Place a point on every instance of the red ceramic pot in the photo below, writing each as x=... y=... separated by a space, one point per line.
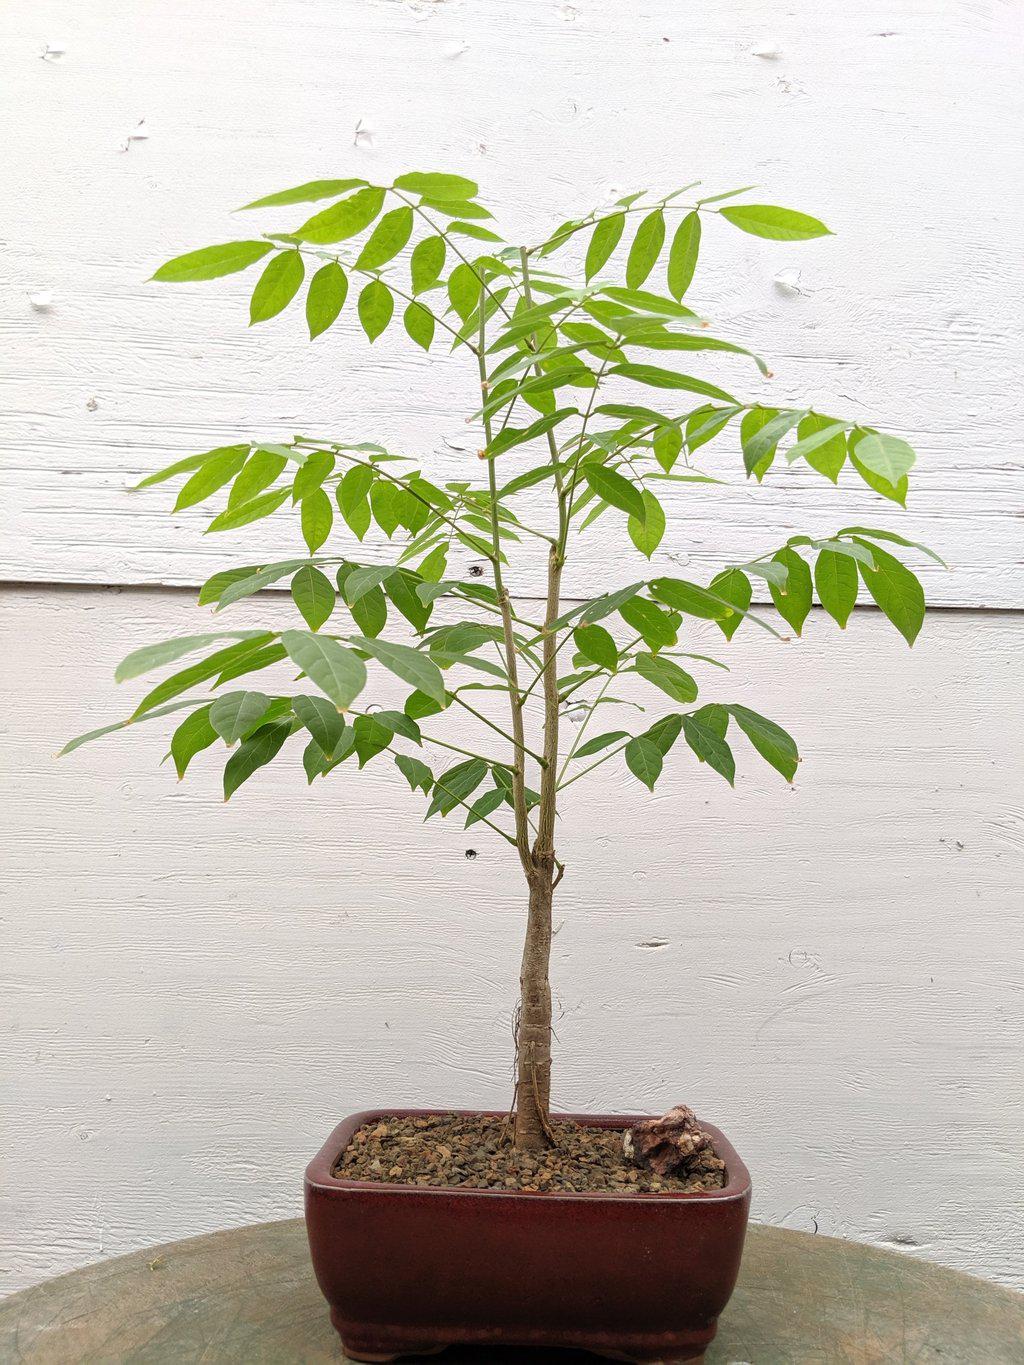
x=409 y=1269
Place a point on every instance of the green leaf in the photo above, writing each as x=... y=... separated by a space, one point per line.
x=643 y=301
x=894 y=492
x=211 y=667
x=409 y=665
x=253 y=662
x=427 y=263
x=455 y=785
x=416 y=773
x=705 y=424
x=657 y=378
x=835 y=577
x=873 y=534
x=260 y=470
x=769 y=739
x=356 y=581
x=255 y=581
x=682 y=256
x=338 y=672
x=418 y=707
x=183 y=466
x=734 y=587
x=674 y=681
x=90 y=735
x=254 y=753
x=616 y=490
x=464 y=290
x=760 y=433
x=435 y=185
x=370 y=613
x=887 y=456
x=646 y=248
x=644 y=760
x=419 y=324
x=664 y=733
x=322 y=719
x=193 y=735
x=896 y=592
x=657 y=627
x=401 y=589
x=343 y=219
x=210 y=262
x=218 y=469
x=253 y=510
x=221 y=581
x=793 y=599
x=387 y=239
x=606 y=604
x=709 y=747
x=485 y=805
x=325 y=299
x=313 y=594
x=599 y=742
x=355 y=486
x=398 y=723
x=687 y=597
x=311 y=474
x=305 y=194
x=646 y=535
x=317 y=517
x=596 y=644
x=143 y=660
x=780 y=225
x=376 y=307
x=371 y=738
x=668 y=443
x=277 y=286
x=673 y=341
x=822 y=443
x=384 y=506
x=603 y=243
x=236 y=713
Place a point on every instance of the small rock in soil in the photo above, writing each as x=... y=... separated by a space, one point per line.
x=671 y=1145
x=476 y=1152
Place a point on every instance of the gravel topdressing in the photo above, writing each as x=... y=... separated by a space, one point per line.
x=476 y=1152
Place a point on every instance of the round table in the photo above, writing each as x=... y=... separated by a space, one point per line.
x=248 y=1296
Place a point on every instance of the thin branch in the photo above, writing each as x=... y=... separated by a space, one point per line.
x=610 y=754
x=522 y=839
x=376 y=275
x=498 y=730
x=420 y=212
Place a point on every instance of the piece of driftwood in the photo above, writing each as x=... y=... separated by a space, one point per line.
x=675 y=1144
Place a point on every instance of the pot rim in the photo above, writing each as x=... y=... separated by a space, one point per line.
x=319 y=1175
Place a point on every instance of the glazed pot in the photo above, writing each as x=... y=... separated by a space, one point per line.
x=411 y=1269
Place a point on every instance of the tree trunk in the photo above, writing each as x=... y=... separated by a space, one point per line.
x=533 y=1081
x=533 y=1078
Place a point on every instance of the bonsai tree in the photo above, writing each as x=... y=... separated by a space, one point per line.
x=571 y=406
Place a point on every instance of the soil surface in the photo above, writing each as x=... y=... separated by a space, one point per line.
x=476 y=1152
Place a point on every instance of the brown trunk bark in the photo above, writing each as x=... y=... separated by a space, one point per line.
x=533 y=1078
x=533 y=1081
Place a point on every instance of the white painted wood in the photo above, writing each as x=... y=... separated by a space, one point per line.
x=192 y=993
x=129 y=130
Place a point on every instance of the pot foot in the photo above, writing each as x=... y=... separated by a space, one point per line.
x=378 y=1358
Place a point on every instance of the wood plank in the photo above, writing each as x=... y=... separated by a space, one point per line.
x=193 y=993
x=907 y=317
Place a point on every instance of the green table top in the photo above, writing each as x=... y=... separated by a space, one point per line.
x=248 y=1296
